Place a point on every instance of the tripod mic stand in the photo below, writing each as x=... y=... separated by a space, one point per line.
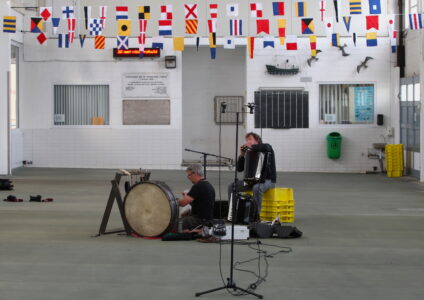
x=230 y=281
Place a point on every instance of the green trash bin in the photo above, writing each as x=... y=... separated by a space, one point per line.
x=334 y=145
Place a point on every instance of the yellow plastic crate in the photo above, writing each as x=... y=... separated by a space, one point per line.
x=394 y=173
x=276 y=209
x=278 y=194
x=283 y=218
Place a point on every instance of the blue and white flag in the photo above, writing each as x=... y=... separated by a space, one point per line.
x=229 y=42
x=415 y=21
x=232 y=10
x=122 y=42
x=95 y=27
x=55 y=23
x=269 y=41
x=63 y=41
x=375 y=7
x=157 y=42
x=68 y=12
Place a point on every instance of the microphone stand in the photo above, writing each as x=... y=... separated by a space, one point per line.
x=230 y=281
x=204 y=158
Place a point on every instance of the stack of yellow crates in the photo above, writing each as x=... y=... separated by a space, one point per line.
x=394 y=160
x=278 y=202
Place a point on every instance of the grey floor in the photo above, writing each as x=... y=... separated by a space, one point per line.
x=363 y=239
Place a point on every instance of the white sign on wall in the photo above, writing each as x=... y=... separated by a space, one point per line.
x=145 y=85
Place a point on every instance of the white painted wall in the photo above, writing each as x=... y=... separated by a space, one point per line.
x=203 y=79
x=305 y=149
x=17 y=147
x=4 y=68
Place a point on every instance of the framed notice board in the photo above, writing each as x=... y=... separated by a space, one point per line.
x=146 y=112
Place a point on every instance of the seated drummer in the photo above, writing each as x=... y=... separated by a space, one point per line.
x=268 y=174
x=201 y=197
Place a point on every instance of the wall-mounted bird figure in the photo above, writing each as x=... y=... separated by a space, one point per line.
x=341 y=48
x=363 y=64
x=313 y=58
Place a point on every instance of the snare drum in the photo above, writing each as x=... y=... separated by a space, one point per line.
x=151 y=209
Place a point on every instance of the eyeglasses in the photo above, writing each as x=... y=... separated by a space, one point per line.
x=188 y=175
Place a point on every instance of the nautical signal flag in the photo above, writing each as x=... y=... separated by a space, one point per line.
x=37 y=25
x=121 y=12
x=95 y=27
x=415 y=21
x=256 y=10
x=375 y=7
x=179 y=43
x=157 y=42
x=99 y=42
x=71 y=29
x=291 y=42
x=371 y=39
x=46 y=13
x=165 y=27
x=87 y=15
x=268 y=41
x=41 y=38
x=393 y=36
x=212 y=44
x=103 y=15
x=236 y=27
x=213 y=11
x=67 y=12
x=282 y=30
x=166 y=12
x=372 y=22
x=251 y=46
x=278 y=8
x=335 y=40
x=144 y=12
x=82 y=39
x=300 y=9
x=329 y=26
x=191 y=26
x=9 y=24
x=122 y=42
x=232 y=10
x=143 y=25
x=229 y=42
x=391 y=22
x=322 y=5
x=212 y=25
x=336 y=9
x=190 y=11
x=308 y=26
x=262 y=25
x=55 y=24
x=355 y=7
x=313 y=44
x=346 y=21
x=63 y=41
x=124 y=27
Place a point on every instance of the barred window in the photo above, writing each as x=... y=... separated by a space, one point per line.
x=81 y=105
x=346 y=103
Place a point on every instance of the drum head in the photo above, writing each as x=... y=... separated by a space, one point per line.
x=150 y=209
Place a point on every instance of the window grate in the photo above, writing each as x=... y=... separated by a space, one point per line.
x=81 y=105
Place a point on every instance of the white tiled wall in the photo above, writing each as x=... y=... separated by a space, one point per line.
x=103 y=148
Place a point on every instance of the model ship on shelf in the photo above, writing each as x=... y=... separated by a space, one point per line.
x=287 y=70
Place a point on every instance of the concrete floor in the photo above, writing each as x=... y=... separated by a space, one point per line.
x=363 y=239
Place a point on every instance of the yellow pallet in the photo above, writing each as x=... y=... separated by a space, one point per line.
x=274 y=209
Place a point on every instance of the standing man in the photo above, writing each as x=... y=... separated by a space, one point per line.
x=201 y=197
x=268 y=174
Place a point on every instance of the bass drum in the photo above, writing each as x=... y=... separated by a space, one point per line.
x=151 y=209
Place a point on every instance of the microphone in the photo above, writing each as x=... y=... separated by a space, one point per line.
x=223 y=107
x=251 y=107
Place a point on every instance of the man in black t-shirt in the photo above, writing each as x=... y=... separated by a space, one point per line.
x=201 y=197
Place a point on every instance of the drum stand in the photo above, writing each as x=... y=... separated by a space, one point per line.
x=115 y=195
x=230 y=281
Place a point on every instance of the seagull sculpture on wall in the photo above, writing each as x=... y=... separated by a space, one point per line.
x=363 y=64
x=313 y=58
x=341 y=48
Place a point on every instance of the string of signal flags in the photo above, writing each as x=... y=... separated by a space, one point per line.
x=95 y=26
